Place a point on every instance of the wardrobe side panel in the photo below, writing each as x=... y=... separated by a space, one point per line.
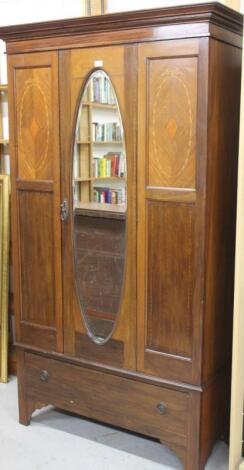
x=224 y=100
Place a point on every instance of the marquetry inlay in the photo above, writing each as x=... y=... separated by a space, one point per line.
x=34 y=132
x=34 y=122
x=171 y=116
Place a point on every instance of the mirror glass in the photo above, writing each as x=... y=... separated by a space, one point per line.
x=99 y=206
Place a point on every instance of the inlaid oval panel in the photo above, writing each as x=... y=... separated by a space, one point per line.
x=99 y=206
x=34 y=127
x=172 y=126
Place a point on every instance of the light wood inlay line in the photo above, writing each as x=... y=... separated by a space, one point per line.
x=174 y=356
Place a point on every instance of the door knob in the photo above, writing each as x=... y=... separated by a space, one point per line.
x=64 y=210
x=161 y=408
x=44 y=375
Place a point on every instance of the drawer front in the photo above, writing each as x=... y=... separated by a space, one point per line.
x=144 y=408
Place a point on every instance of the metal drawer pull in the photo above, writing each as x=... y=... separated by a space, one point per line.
x=44 y=375
x=161 y=408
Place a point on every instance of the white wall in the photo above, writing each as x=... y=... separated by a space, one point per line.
x=117 y=5
x=123 y=5
x=29 y=11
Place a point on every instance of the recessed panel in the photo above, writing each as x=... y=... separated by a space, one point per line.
x=171 y=122
x=170 y=277
x=34 y=122
x=37 y=256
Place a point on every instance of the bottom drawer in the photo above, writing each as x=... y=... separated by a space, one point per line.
x=141 y=407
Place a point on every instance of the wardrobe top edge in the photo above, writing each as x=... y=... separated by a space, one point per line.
x=212 y=12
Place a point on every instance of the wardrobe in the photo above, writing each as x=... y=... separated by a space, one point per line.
x=124 y=149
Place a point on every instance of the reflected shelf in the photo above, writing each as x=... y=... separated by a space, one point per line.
x=97 y=142
x=99 y=105
x=97 y=178
x=99 y=209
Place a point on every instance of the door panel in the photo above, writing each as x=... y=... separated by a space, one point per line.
x=168 y=307
x=170 y=260
x=75 y=68
x=34 y=137
x=36 y=248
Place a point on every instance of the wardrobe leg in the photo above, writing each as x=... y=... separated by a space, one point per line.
x=25 y=410
x=24 y=415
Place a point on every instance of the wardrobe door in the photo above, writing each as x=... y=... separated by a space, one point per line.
x=172 y=83
x=35 y=172
x=98 y=125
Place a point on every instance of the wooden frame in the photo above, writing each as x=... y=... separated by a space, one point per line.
x=4 y=274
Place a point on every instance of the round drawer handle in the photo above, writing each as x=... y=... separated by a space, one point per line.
x=161 y=408
x=44 y=375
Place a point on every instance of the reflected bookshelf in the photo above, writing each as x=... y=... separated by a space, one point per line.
x=99 y=173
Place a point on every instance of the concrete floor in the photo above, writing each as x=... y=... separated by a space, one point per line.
x=59 y=441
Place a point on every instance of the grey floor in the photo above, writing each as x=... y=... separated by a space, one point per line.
x=59 y=441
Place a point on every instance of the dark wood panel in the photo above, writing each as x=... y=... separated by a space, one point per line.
x=143 y=34
x=111 y=353
x=171 y=194
x=35 y=185
x=109 y=398
x=168 y=366
x=112 y=59
x=225 y=66
x=38 y=335
x=37 y=264
x=170 y=234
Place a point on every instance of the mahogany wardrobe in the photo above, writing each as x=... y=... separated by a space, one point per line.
x=124 y=149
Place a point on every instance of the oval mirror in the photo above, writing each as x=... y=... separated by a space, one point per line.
x=99 y=206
